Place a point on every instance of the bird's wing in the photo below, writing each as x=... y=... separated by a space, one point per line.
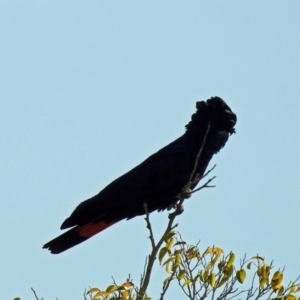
x=155 y=181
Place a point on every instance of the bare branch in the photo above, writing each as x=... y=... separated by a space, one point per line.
x=36 y=297
x=152 y=256
x=165 y=288
x=199 y=154
x=184 y=194
x=149 y=225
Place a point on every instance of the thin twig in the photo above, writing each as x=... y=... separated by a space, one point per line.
x=205 y=185
x=149 y=225
x=199 y=154
x=36 y=297
x=185 y=193
x=152 y=256
x=165 y=288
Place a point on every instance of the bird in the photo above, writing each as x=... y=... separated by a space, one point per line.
x=156 y=181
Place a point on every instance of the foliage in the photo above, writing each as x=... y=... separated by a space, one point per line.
x=211 y=274
x=216 y=275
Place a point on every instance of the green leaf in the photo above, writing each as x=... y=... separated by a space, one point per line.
x=213 y=250
x=166 y=281
x=223 y=280
x=293 y=288
x=163 y=251
x=280 y=291
x=181 y=274
x=221 y=265
x=146 y=297
x=100 y=294
x=17 y=298
x=168 y=260
x=196 y=278
x=178 y=251
x=249 y=265
x=241 y=275
x=111 y=288
x=169 y=235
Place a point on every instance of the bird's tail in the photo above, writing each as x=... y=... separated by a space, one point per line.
x=75 y=236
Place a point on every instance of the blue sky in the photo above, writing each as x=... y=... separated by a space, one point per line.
x=89 y=89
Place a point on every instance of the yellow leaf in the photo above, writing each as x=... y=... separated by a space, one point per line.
x=241 y=275
x=112 y=288
x=223 y=280
x=276 y=280
x=262 y=283
x=205 y=275
x=259 y=258
x=174 y=267
x=263 y=272
x=178 y=251
x=187 y=282
x=276 y=275
x=211 y=264
x=125 y=294
x=293 y=288
x=168 y=260
x=169 y=235
x=146 y=297
x=228 y=271
x=230 y=260
x=92 y=290
x=212 y=280
x=213 y=250
x=177 y=260
x=280 y=291
x=166 y=281
x=163 y=251
x=181 y=274
x=200 y=274
x=196 y=278
x=169 y=243
x=289 y=297
x=128 y=284
x=100 y=294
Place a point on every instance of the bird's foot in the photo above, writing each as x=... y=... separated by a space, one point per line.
x=178 y=210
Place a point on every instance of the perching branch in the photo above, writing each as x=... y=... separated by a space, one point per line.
x=184 y=194
x=155 y=248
